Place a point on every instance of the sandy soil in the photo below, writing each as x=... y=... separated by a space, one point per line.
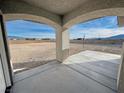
x=75 y=48
x=30 y=55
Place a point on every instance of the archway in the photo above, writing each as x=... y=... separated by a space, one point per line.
x=78 y=16
x=31 y=44
x=99 y=31
x=83 y=59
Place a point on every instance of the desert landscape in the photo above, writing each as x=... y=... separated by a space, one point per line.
x=27 y=54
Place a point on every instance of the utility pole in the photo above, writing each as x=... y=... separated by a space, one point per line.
x=83 y=40
x=99 y=37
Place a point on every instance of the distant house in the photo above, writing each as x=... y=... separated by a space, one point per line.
x=30 y=38
x=46 y=39
x=79 y=39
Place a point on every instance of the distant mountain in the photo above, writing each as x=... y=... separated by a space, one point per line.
x=27 y=38
x=121 y=36
x=15 y=37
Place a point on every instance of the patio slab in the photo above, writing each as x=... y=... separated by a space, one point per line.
x=80 y=73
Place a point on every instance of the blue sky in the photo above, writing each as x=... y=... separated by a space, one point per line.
x=102 y=27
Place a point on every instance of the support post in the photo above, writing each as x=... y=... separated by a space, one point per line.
x=62 y=45
x=120 y=80
x=120 y=21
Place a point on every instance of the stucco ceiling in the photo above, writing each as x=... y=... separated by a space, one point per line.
x=72 y=11
x=57 y=6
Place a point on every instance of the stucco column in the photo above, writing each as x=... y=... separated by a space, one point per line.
x=120 y=21
x=62 y=45
x=120 y=80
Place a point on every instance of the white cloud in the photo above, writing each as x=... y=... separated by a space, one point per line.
x=97 y=32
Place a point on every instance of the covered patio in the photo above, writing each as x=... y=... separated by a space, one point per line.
x=85 y=72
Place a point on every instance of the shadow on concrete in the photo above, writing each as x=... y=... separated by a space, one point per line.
x=19 y=67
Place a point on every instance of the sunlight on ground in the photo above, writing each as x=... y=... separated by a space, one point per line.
x=18 y=70
x=91 y=56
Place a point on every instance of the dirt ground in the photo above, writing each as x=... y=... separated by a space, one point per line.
x=30 y=55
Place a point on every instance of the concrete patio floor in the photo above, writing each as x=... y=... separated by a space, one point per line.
x=85 y=72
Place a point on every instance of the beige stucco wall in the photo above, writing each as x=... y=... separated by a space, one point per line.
x=120 y=21
x=87 y=11
x=91 y=10
x=22 y=10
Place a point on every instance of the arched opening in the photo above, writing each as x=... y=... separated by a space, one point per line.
x=79 y=16
x=103 y=32
x=31 y=44
x=95 y=49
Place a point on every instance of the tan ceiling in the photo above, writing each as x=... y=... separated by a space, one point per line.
x=57 y=6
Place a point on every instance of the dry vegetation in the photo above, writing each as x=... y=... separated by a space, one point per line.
x=31 y=53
